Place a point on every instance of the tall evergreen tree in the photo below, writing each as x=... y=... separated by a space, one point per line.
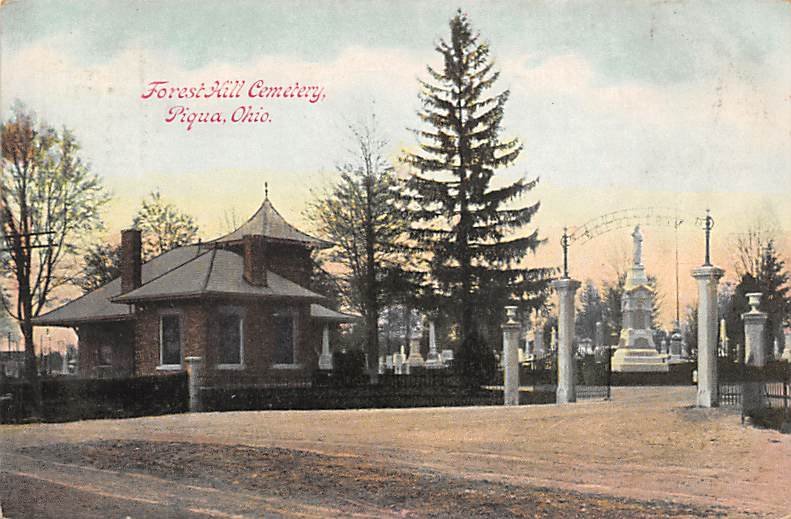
x=771 y=279
x=465 y=230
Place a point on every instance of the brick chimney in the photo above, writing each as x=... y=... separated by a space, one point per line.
x=131 y=263
x=254 y=260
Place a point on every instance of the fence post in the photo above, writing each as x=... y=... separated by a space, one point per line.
x=194 y=382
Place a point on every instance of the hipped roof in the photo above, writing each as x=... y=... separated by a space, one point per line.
x=182 y=273
x=198 y=271
x=267 y=222
x=216 y=272
x=327 y=314
x=97 y=306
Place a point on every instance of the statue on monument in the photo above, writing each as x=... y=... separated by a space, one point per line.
x=637 y=238
x=636 y=349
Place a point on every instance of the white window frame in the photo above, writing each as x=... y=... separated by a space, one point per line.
x=294 y=315
x=240 y=313
x=180 y=317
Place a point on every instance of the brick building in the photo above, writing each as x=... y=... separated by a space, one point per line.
x=241 y=302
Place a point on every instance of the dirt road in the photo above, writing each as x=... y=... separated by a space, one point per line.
x=647 y=453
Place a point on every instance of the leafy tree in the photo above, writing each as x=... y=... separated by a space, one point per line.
x=163 y=226
x=101 y=264
x=463 y=230
x=48 y=200
x=356 y=214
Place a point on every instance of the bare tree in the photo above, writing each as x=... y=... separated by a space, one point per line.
x=49 y=199
x=750 y=247
x=356 y=214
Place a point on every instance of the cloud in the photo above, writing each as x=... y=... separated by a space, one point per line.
x=581 y=125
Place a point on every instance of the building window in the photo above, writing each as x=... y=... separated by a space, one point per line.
x=231 y=341
x=170 y=340
x=284 y=339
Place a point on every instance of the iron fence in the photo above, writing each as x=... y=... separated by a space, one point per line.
x=731 y=394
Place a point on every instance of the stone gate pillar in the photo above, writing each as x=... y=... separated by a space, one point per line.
x=194 y=382
x=754 y=340
x=566 y=288
x=511 y=329
x=708 y=277
x=755 y=351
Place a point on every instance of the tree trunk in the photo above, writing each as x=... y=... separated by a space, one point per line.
x=371 y=296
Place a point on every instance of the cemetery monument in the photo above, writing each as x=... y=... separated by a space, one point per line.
x=636 y=350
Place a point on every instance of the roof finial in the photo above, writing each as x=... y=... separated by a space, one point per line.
x=266 y=190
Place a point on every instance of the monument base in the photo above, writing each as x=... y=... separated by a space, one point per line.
x=433 y=361
x=325 y=361
x=638 y=360
x=415 y=360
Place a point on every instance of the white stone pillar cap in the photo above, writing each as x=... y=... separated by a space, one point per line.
x=566 y=284
x=708 y=272
x=193 y=359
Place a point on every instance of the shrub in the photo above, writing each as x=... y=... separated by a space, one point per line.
x=348 y=367
x=475 y=362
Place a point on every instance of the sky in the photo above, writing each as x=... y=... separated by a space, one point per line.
x=677 y=105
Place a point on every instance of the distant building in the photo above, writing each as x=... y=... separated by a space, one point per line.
x=241 y=302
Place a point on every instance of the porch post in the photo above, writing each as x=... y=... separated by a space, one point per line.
x=566 y=391
x=325 y=359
